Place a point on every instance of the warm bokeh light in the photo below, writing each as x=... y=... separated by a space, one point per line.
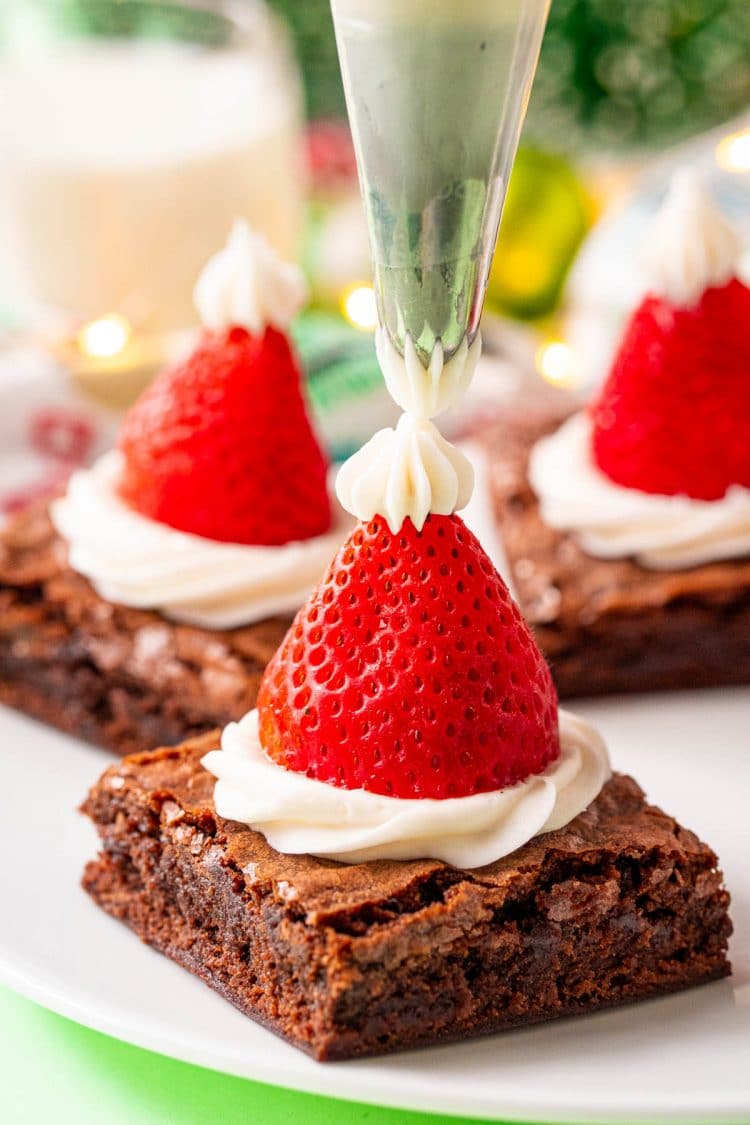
x=558 y=363
x=360 y=308
x=104 y=338
x=733 y=152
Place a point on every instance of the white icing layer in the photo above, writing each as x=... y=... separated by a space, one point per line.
x=246 y=284
x=410 y=471
x=299 y=815
x=690 y=247
x=661 y=532
x=426 y=391
x=135 y=561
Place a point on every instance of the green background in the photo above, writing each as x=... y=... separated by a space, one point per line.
x=54 y=1070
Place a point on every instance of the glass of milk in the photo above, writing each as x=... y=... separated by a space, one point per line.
x=128 y=147
x=436 y=92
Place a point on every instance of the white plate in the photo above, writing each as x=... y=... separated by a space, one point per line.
x=685 y=1058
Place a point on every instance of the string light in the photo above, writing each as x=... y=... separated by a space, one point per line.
x=104 y=338
x=558 y=363
x=733 y=152
x=359 y=307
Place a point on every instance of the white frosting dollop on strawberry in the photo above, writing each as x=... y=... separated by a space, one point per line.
x=690 y=246
x=247 y=285
x=299 y=815
x=425 y=392
x=134 y=561
x=612 y=522
x=411 y=471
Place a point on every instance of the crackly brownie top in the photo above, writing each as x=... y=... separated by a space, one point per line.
x=169 y=791
x=555 y=578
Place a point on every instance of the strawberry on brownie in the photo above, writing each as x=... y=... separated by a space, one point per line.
x=627 y=524
x=407 y=841
x=222 y=446
x=410 y=672
x=409 y=693
x=142 y=606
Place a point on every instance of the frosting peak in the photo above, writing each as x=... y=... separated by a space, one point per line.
x=426 y=391
x=246 y=284
x=691 y=246
x=412 y=471
x=407 y=472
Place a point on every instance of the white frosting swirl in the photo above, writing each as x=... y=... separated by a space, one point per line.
x=247 y=285
x=426 y=391
x=135 y=561
x=410 y=471
x=300 y=815
x=690 y=246
x=612 y=522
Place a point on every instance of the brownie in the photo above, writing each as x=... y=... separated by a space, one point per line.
x=351 y=960
x=126 y=679
x=612 y=625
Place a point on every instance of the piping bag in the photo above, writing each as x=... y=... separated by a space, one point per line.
x=436 y=93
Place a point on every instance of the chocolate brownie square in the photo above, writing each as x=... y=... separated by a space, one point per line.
x=346 y=961
x=123 y=678
x=612 y=625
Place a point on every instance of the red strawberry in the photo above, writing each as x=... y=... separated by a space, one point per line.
x=221 y=445
x=674 y=414
x=410 y=672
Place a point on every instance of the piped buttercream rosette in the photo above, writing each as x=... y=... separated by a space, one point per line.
x=412 y=471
